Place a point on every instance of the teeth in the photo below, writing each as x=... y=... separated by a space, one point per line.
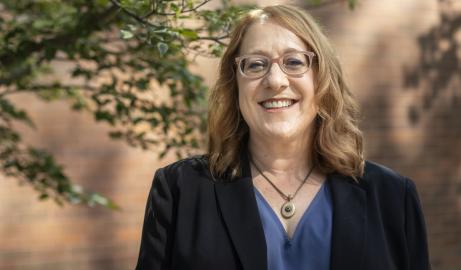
x=277 y=104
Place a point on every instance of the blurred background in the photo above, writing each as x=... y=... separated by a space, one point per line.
x=402 y=61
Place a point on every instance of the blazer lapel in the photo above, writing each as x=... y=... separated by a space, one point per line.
x=240 y=213
x=349 y=223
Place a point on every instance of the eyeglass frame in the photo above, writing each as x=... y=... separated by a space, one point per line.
x=277 y=60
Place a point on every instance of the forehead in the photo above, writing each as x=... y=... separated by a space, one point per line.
x=269 y=38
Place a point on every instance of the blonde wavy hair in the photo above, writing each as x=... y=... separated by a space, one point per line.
x=337 y=143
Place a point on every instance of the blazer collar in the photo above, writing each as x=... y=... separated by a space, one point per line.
x=240 y=212
x=349 y=223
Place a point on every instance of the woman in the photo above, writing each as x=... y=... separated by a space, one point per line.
x=284 y=184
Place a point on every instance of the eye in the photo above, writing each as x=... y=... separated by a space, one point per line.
x=254 y=65
x=295 y=61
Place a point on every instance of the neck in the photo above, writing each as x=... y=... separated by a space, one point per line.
x=281 y=157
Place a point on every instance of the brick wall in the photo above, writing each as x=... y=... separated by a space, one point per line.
x=402 y=59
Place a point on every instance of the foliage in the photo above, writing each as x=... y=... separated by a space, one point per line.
x=129 y=68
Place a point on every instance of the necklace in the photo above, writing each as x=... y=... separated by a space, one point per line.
x=288 y=208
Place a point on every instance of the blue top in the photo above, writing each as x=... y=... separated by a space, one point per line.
x=309 y=248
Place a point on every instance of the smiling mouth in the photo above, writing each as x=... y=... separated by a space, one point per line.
x=277 y=103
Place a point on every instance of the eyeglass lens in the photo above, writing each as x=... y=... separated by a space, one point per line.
x=293 y=64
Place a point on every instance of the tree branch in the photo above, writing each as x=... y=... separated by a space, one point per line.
x=131 y=14
x=63 y=39
x=215 y=39
x=182 y=11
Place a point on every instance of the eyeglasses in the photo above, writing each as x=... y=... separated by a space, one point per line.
x=255 y=66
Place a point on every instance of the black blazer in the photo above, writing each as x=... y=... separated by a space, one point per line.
x=192 y=222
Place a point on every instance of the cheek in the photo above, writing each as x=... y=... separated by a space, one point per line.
x=246 y=92
x=247 y=106
x=244 y=103
x=306 y=87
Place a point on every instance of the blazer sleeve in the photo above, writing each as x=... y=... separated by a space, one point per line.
x=157 y=228
x=415 y=230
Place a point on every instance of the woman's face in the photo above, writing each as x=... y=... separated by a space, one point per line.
x=294 y=110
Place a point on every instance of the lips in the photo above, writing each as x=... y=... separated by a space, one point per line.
x=277 y=103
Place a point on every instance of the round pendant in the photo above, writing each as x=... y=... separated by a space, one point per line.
x=288 y=209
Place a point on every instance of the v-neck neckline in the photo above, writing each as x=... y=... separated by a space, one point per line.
x=301 y=220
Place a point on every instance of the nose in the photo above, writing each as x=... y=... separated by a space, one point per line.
x=276 y=79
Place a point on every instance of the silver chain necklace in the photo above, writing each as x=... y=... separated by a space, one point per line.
x=288 y=208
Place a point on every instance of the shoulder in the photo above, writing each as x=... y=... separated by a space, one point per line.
x=384 y=182
x=375 y=173
x=185 y=171
x=196 y=164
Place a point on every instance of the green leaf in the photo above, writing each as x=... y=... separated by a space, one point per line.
x=126 y=34
x=41 y=23
x=104 y=116
x=142 y=84
x=188 y=33
x=102 y=3
x=116 y=134
x=352 y=4
x=217 y=50
x=162 y=48
x=7 y=109
x=98 y=199
x=132 y=27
